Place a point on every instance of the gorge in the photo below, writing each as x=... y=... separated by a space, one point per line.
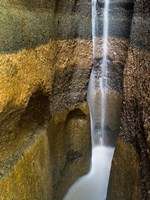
x=46 y=59
x=94 y=185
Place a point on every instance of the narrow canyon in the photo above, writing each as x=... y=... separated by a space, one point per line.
x=46 y=61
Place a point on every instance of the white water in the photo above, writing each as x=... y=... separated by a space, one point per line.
x=93 y=186
x=103 y=80
x=98 y=81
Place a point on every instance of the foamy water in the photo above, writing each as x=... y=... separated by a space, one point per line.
x=93 y=186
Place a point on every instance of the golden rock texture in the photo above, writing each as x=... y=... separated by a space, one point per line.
x=70 y=147
x=36 y=83
x=29 y=82
x=29 y=177
x=26 y=73
x=45 y=162
x=45 y=63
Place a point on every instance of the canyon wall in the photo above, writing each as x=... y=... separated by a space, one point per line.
x=42 y=74
x=130 y=175
x=45 y=64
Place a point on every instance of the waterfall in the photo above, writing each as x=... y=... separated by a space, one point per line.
x=97 y=90
x=103 y=79
x=94 y=185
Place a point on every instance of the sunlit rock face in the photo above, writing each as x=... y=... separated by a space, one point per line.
x=135 y=115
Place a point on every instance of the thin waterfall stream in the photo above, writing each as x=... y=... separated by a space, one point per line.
x=93 y=186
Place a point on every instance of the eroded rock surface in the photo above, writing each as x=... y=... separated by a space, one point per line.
x=125 y=181
x=135 y=115
x=27 y=175
x=45 y=63
x=70 y=147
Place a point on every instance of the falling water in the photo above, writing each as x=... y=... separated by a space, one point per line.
x=93 y=186
x=103 y=79
x=98 y=82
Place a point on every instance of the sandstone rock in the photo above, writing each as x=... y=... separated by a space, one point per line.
x=70 y=147
x=45 y=62
x=125 y=180
x=28 y=175
x=42 y=164
x=135 y=114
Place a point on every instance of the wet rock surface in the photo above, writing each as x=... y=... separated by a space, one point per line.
x=113 y=114
x=120 y=17
x=116 y=61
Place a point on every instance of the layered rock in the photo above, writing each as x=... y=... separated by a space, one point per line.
x=70 y=147
x=45 y=63
x=125 y=177
x=135 y=115
x=30 y=86
x=41 y=163
x=39 y=76
x=27 y=174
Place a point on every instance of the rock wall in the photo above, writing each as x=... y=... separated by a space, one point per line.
x=135 y=133
x=45 y=64
x=26 y=174
x=70 y=147
x=41 y=74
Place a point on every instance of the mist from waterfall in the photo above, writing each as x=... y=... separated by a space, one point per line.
x=93 y=186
